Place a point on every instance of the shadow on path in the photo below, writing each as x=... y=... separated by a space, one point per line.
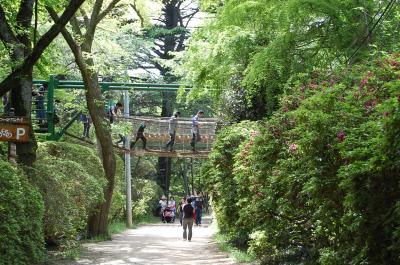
x=156 y=244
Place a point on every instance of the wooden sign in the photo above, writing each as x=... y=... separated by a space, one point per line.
x=13 y=120
x=14 y=129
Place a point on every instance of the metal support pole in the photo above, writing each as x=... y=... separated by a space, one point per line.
x=128 y=176
x=50 y=105
x=191 y=169
x=185 y=177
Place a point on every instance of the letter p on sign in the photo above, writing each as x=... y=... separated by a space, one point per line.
x=20 y=132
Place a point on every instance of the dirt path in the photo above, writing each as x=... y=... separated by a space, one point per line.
x=156 y=244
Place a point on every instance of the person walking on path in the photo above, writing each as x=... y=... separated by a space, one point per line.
x=195 y=129
x=140 y=135
x=172 y=125
x=199 y=208
x=181 y=204
x=86 y=120
x=162 y=204
x=187 y=220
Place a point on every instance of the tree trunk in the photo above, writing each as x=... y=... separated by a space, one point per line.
x=98 y=221
x=21 y=101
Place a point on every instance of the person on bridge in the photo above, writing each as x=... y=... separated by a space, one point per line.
x=172 y=125
x=195 y=129
x=140 y=135
x=187 y=219
x=113 y=113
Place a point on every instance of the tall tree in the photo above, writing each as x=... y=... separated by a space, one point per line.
x=16 y=38
x=169 y=33
x=81 y=46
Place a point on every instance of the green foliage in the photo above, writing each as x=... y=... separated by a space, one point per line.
x=145 y=195
x=21 y=214
x=160 y=32
x=71 y=180
x=145 y=191
x=317 y=182
x=253 y=48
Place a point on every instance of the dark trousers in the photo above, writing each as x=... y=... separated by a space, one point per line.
x=195 y=138
x=121 y=140
x=198 y=215
x=171 y=141
x=40 y=109
x=139 y=136
x=86 y=128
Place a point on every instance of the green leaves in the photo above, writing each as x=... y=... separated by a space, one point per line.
x=21 y=211
x=317 y=183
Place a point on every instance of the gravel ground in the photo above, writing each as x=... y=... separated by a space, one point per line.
x=156 y=244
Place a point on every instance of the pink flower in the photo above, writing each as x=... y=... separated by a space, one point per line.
x=341 y=136
x=293 y=148
x=254 y=133
x=365 y=80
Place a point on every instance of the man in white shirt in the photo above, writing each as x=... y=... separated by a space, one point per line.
x=195 y=129
x=172 y=125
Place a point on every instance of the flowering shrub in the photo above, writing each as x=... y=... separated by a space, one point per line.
x=320 y=183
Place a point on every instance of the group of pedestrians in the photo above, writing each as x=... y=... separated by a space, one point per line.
x=115 y=112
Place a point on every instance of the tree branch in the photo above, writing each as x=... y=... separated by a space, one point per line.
x=6 y=33
x=74 y=23
x=24 y=20
x=141 y=18
x=8 y=83
x=85 y=17
x=108 y=9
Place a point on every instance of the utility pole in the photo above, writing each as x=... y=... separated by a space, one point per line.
x=191 y=169
x=128 y=176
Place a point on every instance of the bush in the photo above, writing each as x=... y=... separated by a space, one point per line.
x=21 y=213
x=71 y=180
x=318 y=182
x=145 y=192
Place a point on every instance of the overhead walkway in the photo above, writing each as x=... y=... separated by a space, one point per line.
x=157 y=137
x=44 y=115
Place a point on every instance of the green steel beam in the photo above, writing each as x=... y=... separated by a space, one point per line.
x=54 y=84
x=58 y=135
x=105 y=86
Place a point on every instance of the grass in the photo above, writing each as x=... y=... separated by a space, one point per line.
x=239 y=255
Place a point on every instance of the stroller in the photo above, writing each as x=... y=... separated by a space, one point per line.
x=169 y=215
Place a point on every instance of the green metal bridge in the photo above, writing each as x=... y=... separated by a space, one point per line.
x=157 y=129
